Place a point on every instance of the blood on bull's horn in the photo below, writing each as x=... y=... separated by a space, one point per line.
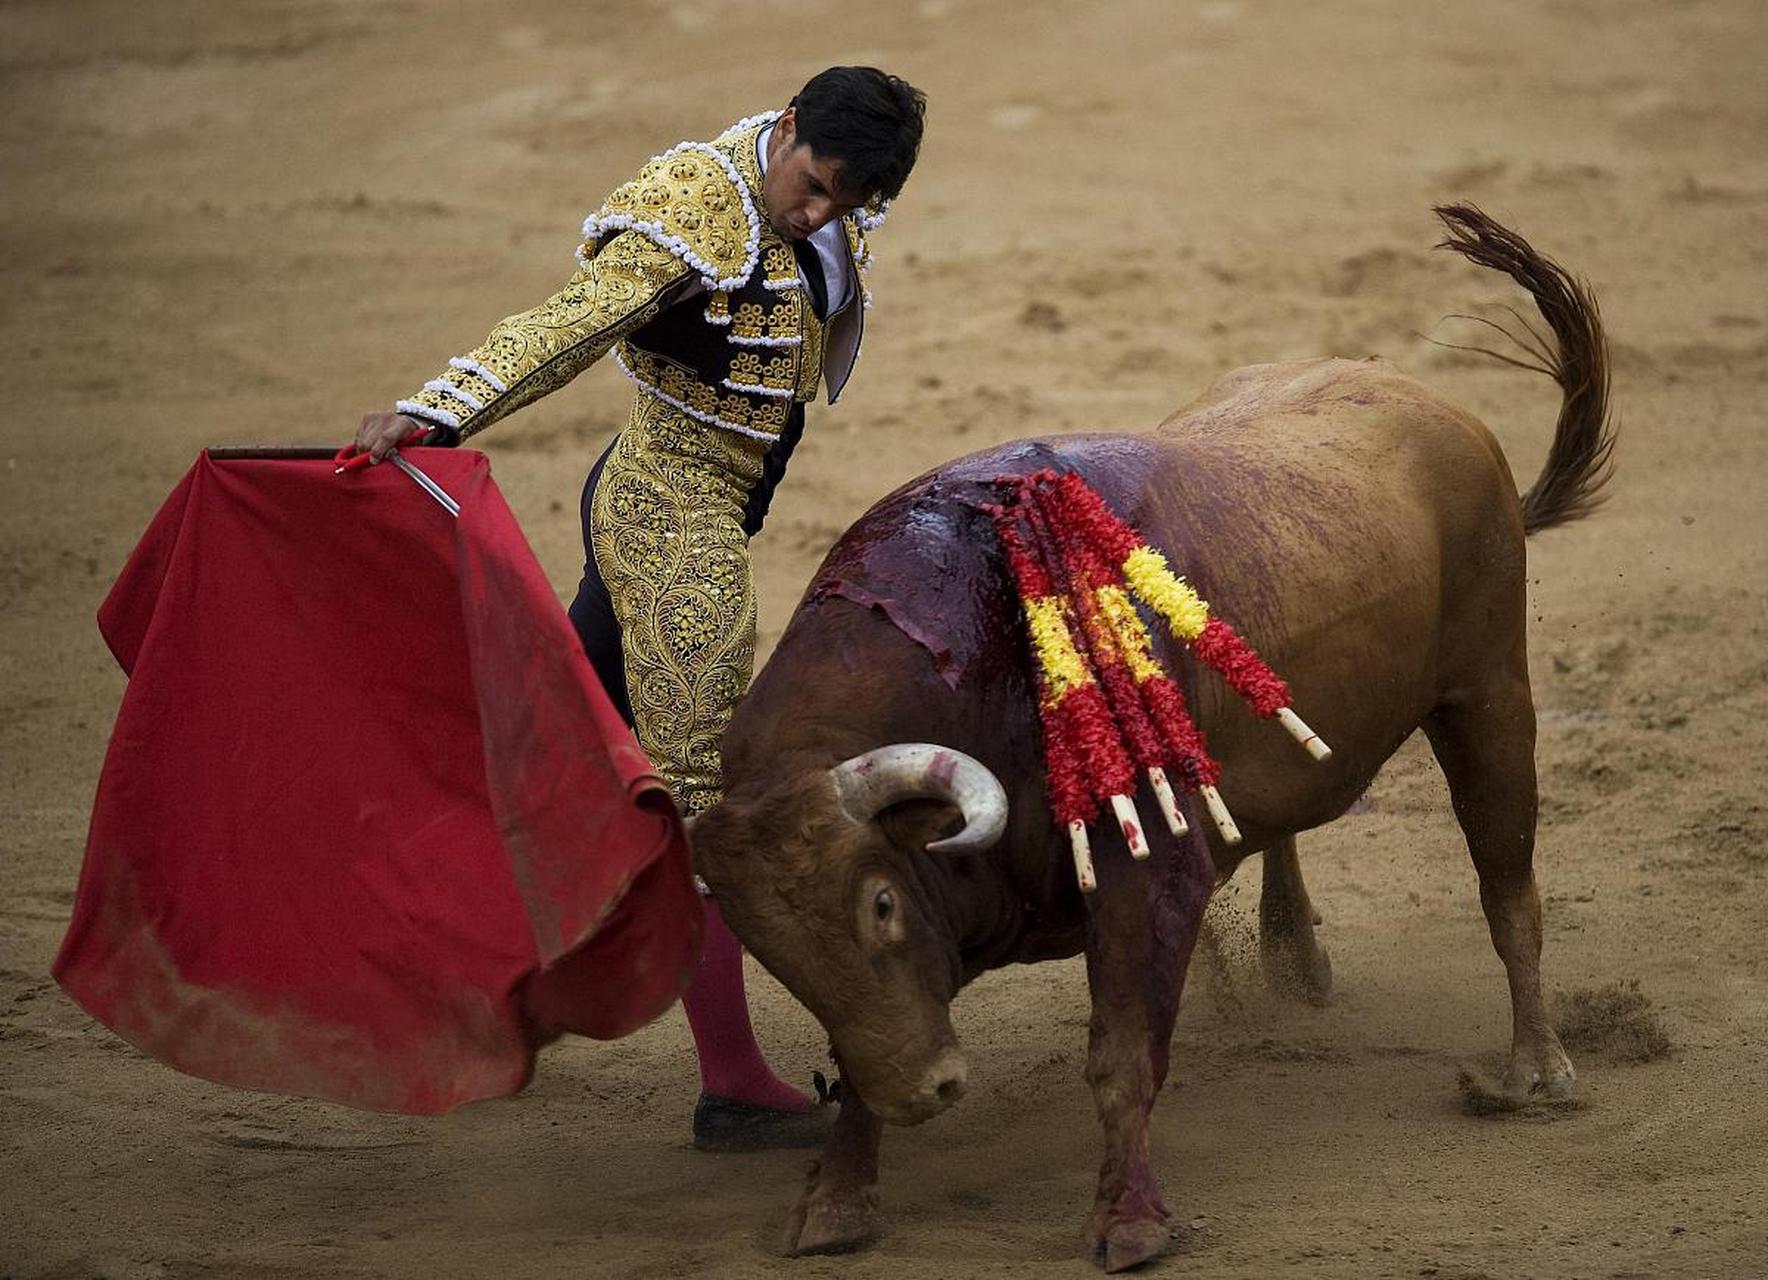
x=868 y=784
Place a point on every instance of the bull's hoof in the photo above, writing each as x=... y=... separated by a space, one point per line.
x=1544 y=1073
x=1535 y=1085
x=1119 y=1243
x=1296 y=966
x=832 y=1221
x=1130 y=1244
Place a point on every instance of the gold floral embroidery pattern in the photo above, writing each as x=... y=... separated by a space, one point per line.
x=780 y=264
x=856 y=245
x=773 y=372
x=739 y=144
x=747 y=415
x=810 y=356
x=538 y=351
x=687 y=200
x=777 y=322
x=666 y=528
x=695 y=218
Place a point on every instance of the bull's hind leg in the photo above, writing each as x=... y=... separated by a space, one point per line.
x=1485 y=743
x=1142 y=926
x=1295 y=963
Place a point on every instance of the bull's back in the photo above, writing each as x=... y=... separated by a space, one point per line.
x=1364 y=534
x=1361 y=532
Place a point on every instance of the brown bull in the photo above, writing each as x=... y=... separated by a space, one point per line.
x=1362 y=532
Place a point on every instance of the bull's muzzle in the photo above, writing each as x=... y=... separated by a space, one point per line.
x=941 y=1085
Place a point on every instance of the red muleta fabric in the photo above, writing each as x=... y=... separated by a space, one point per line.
x=368 y=829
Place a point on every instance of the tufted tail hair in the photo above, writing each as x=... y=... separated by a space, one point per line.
x=1580 y=461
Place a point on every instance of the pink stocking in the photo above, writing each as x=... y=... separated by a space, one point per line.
x=731 y=1062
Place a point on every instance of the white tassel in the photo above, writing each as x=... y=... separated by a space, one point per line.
x=779 y=393
x=479 y=371
x=737 y=339
x=441 y=417
x=449 y=389
x=750 y=122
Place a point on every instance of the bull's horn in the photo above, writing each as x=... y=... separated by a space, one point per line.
x=867 y=785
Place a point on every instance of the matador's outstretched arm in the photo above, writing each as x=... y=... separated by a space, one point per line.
x=627 y=283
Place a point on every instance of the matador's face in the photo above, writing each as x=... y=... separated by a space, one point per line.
x=802 y=190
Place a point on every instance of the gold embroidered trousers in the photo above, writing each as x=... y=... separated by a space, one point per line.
x=664 y=531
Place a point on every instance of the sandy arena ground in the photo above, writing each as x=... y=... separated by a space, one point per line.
x=235 y=223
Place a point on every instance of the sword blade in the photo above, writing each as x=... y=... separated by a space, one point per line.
x=428 y=485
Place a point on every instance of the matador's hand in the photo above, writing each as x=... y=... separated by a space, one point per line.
x=379 y=435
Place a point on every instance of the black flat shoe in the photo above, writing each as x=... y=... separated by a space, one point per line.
x=724 y=1124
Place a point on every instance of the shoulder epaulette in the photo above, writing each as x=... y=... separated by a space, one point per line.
x=692 y=202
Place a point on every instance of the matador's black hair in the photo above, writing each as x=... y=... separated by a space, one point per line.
x=866 y=121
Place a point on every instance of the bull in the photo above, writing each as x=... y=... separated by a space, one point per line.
x=885 y=836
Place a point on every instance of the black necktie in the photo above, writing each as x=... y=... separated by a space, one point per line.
x=810 y=262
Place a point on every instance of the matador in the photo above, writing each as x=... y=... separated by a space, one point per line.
x=728 y=280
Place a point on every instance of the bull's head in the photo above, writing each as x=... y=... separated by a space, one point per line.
x=831 y=880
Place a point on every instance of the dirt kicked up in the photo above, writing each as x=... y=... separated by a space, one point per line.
x=228 y=224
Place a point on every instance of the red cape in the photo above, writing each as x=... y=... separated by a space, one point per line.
x=368 y=829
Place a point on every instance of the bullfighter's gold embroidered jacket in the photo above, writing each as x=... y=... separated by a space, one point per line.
x=689 y=227
x=701 y=303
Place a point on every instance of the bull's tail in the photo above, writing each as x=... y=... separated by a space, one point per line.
x=1581 y=460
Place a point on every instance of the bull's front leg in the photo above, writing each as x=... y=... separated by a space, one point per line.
x=1142 y=926
x=838 y=1209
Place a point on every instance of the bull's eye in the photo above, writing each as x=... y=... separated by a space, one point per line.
x=876 y=916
